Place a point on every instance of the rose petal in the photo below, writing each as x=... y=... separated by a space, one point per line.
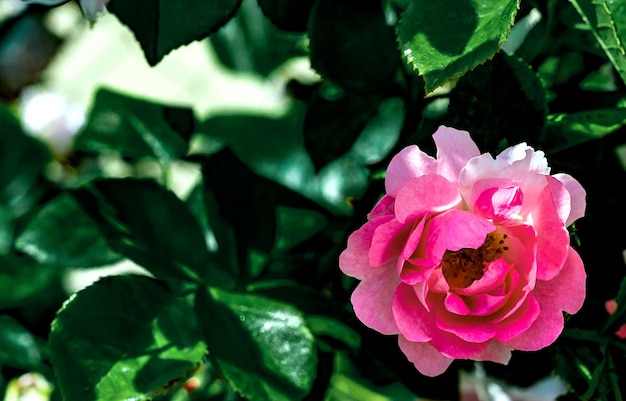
x=519 y=321
x=561 y=198
x=372 y=301
x=408 y=313
x=425 y=194
x=469 y=328
x=577 y=196
x=451 y=230
x=388 y=241
x=552 y=237
x=409 y=163
x=354 y=260
x=495 y=352
x=454 y=149
x=383 y=207
x=566 y=292
x=427 y=360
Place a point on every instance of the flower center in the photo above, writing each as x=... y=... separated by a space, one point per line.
x=461 y=268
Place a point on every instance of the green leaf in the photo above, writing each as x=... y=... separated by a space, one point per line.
x=250 y=43
x=352 y=45
x=332 y=126
x=22 y=279
x=607 y=20
x=136 y=128
x=18 y=347
x=124 y=338
x=161 y=26
x=22 y=161
x=153 y=227
x=444 y=39
x=262 y=346
x=288 y=15
x=62 y=234
x=245 y=201
x=567 y=130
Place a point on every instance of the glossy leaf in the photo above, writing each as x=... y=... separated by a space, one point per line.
x=161 y=26
x=124 y=338
x=274 y=357
x=62 y=234
x=18 y=347
x=352 y=45
x=444 y=39
x=156 y=229
x=607 y=20
x=567 y=130
x=135 y=128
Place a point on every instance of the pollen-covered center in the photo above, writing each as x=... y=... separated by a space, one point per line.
x=461 y=268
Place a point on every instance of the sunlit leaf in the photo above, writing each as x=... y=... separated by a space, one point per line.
x=569 y=129
x=444 y=39
x=607 y=20
x=161 y=26
x=124 y=338
x=263 y=347
x=62 y=234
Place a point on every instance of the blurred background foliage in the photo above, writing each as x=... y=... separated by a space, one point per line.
x=211 y=158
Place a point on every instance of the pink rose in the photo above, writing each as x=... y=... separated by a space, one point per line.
x=467 y=256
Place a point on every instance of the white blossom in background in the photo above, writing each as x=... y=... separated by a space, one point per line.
x=52 y=118
x=91 y=8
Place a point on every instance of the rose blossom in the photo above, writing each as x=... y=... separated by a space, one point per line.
x=467 y=256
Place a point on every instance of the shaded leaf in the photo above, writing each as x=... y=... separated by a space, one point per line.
x=161 y=26
x=123 y=338
x=607 y=20
x=18 y=347
x=444 y=39
x=332 y=126
x=62 y=234
x=513 y=110
x=289 y=15
x=246 y=202
x=135 y=128
x=274 y=357
x=367 y=61
x=153 y=227
x=22 y=279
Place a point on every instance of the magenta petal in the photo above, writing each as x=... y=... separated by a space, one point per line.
x=454 y=149
x=500 y=204
x=495 y=352
x=519 y=321
x=354 y=260
x=427 y=360
x=409 y=314
x=383 y=207
x=468 y=328
x=411 y=162
x=425 y=194
x=452 y=230
x=577 y=196
x=388 y=241
x=552 y=237
x=372 y=301
x=566 y=292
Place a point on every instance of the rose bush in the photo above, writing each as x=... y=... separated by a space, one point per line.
x=467 y=256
